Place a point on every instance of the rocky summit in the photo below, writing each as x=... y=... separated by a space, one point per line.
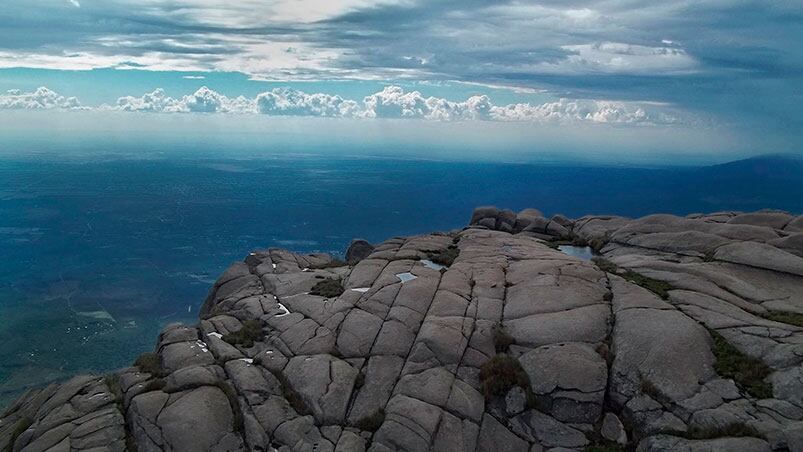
x=682 y=333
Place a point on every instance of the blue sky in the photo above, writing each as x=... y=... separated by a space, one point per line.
x=728 y=75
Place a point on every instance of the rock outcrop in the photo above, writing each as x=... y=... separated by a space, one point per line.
x=685 y=334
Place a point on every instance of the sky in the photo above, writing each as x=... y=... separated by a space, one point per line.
x=686 y=78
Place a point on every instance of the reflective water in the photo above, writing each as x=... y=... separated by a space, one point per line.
x=583 y=252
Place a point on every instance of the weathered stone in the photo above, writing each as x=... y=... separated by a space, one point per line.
x=196 y=420
x=613 y=430
x=325 y=383
x=665 y=442
x=539 y=427
x=515 y=401
x=395 y=363
x=358 y=250
x=495 y=436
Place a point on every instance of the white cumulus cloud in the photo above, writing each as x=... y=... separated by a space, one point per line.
x=391 y=102
x=41 y=99
x=594 y=111
x=290 y=102
x=204 y=100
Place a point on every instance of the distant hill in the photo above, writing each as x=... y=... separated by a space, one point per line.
x=777 y=167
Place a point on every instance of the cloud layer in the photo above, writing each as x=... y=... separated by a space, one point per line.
x=41 y=99
x=391 y=102
x=394 y=102
x=738 y=62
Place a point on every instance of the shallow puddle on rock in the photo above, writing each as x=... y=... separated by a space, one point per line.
x=429 y=264
x=406 y=276
x=583 y=252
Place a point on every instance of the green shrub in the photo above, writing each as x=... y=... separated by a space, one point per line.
x=149 y=362
x=328 y=288
x=502 y=340
x=445 y=257
x=749 y=373
x=371 y=422
x=247 y=335
x=501 y=373
x=792 y=318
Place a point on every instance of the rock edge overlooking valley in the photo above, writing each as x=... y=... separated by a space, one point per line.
x=683 y=333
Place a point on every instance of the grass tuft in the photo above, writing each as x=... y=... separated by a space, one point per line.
x=658 y=287
x=247 y=335
x=149 y=362
x=792 y=318
x=748 y=373
x=605 y=265
x=445 y=257
x=328 y=288
x=501 y=373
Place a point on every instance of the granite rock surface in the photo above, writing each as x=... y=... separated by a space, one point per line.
x=635 y=350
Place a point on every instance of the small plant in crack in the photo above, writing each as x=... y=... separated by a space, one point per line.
x=749 y=373
x=149 y=362
x=328 y=288
x=445 y=257
x=250 y=332
x=791 y=318
x=658 y=287
x=502 y=372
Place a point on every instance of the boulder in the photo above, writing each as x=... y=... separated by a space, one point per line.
x=524 y=218
x=358 y=250
x=613 y=430
x=775 y=220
